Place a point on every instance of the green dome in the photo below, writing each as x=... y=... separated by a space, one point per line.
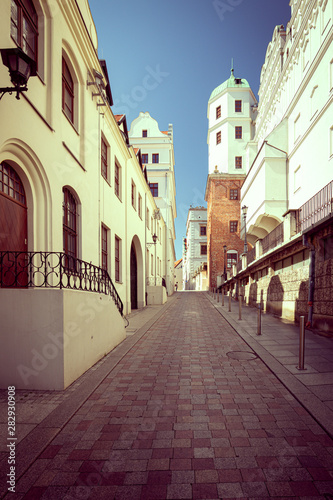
x=232 y=82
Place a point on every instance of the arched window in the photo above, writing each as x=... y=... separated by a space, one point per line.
x=24 y=26
x=10 y=183
x=70 y=224
x=67 y=92
x=231 y=258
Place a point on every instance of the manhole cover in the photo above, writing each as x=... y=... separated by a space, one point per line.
x=242 y=355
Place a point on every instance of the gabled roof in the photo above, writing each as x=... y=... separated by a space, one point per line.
x=177 y=262
x=121 y=120
x=108 y=86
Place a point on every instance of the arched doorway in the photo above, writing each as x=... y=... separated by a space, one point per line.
x=13 y=211
x=13 y=227
x=134 y=279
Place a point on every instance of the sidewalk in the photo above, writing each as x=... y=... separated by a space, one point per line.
x=278 y=347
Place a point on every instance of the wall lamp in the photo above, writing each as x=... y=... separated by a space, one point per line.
x=20 y=67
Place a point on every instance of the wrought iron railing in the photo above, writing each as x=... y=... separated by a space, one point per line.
x=316 y=209
x=54 y=270
x=273 y=239
x=251 y=255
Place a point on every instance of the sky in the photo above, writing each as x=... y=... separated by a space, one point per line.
x=187 y=47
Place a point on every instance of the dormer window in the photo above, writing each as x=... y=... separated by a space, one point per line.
x=145 y=133
x=238 y=81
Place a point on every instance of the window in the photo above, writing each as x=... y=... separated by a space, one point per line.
x=140 y=206
x=104 y=159
x=233 y=194
x=233 y=226
x=145 y=158
x=144 y=133
x=203 y=230
x=67 y=92
x=11 y=184
x=238 y=106
x=151 y=264
x=238 y=162
x=297 y=127
x=23 y=28
x=147 y=218
x=154 y=188
x=238 y=132
x=231 y=258
x=105 y=257
x=314 y=97
x=133 y=195
x=203 y=249
x=156 y=158
x=70 y=216
x=218 y=138
x=117 y=179
x=297 y=178
x=117 y=245
x=218 y=112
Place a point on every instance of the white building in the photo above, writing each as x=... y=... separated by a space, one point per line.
x=290 y=157
x=231 y=112
x=178 y=275
x=159 y=160
x=75 y=205
x=288 y=187
x=195 y=250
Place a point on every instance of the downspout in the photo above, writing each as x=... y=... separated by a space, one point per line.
x=145 y=256
x=312 y=275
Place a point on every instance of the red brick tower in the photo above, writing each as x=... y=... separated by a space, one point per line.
x=223 y=223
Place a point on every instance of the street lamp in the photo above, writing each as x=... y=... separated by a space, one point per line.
x=155 y=240
x=244 y=210
x=225 y=258
x=20 y=67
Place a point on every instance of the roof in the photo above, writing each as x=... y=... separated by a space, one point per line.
x=177 y=262
x=164 y=132
x=232 y=82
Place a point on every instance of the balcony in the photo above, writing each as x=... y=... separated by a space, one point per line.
x=316 y=209
x=264 y=192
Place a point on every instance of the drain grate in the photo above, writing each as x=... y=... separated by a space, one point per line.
x=242 y=355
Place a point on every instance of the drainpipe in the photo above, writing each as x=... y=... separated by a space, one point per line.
x=311 y=278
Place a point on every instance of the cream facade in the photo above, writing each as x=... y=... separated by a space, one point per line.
x=159 y=160
x=86 y=202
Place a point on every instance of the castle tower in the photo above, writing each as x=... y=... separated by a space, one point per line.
x=231 y=113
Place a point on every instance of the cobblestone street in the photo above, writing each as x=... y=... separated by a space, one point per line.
x=189 y=412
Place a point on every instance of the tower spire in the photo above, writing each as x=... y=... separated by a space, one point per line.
x=232 y=66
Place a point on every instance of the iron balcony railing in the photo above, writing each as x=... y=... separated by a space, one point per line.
x=316 y=209
x=251 y=255
x=54 y=270
x=273 y=239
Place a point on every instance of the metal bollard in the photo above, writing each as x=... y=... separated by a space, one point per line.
x=229 y=301
x=301 y=343
x=214 y=292
x=240 y=307
x=259 y=320
x=218 y=295
x=222 y=296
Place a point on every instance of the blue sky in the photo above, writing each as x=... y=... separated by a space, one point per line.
x=188 y=46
